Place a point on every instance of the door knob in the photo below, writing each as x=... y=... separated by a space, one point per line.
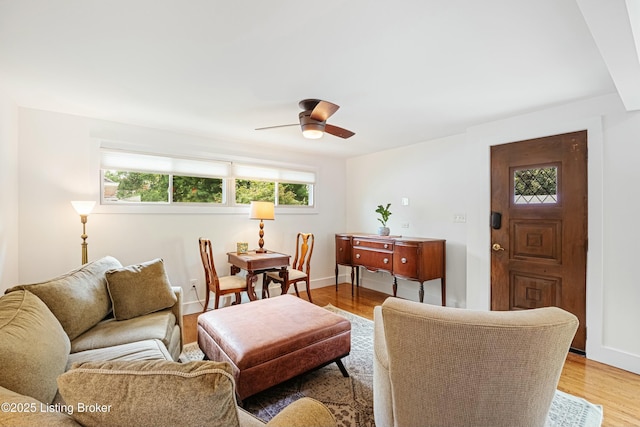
x=496 y=247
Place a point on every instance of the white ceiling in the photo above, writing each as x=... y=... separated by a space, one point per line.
x=402 y=72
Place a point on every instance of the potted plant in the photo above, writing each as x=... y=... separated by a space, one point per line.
x=384 y=217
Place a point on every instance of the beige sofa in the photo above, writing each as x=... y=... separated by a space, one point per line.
x=442 y=366
x=97 y=346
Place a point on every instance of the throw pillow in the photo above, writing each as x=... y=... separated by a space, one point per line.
x=151 y=393
x=139 y=289
x=79 y=298
x=33 y=346
x=25 y=411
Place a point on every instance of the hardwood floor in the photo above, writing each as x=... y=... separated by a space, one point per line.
x=618 y=391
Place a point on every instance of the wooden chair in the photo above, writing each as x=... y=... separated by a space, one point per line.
x=301 y=267
x=219 y=285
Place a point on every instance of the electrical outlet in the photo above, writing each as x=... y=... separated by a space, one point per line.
x=194 y=284
x=461 y=217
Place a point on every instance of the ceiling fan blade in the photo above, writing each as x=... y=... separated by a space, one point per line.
x=338 y=131
x=323 y=111
x=278 y=126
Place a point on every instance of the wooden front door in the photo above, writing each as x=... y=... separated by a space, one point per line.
x=539 y=226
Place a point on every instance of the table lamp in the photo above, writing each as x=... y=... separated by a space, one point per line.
x=84 y=208
x=262 y=211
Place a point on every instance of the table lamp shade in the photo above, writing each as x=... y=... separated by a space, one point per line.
x=262 y=210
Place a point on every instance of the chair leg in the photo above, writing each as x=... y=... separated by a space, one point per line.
x=238 y=298
x=308 y=290
x=265 y=285
x=206 y=301
x=295 y=286
x=216 y=302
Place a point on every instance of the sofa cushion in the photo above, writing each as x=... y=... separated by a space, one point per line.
x=79 y=298
x=34 y=348
x=110 y=332
x=140 y=350
x=139 y=289
x=24 y=411
x=153 y=393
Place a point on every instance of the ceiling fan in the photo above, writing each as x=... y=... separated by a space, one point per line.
x=313 y=120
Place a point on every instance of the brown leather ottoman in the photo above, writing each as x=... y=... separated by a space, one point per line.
x=272 y=340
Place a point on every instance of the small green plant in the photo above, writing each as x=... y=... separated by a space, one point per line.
x=384 y=214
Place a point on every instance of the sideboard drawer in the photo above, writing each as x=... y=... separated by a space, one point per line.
x=373 y=244
x=373 y=260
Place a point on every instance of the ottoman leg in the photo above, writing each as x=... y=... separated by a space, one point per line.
x=342 y=368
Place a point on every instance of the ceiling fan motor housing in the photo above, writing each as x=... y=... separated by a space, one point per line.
x=307 y=123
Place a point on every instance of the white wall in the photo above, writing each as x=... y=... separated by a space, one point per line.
x=452 y=175
x=58 y=163
x=9 y=194
x=433 y=178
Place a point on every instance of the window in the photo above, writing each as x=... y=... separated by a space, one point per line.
x=191 y=189
x=294 y=194
x=130 y=178
x=134 y=187
x=249 y=190
x=284 y=187
x=535 y=186
x=143 y=178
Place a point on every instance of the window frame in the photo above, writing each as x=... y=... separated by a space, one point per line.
x=229 y=205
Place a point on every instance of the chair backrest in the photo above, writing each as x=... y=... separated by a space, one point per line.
x=206 y=254
x=451 y=366
x=304 y=250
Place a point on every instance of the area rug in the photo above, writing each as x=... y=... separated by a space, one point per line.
x=351 y=399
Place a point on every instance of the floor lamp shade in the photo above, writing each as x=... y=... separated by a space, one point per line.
x=262 y=211
x=83 y=207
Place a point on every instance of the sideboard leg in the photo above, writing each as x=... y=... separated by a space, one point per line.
x=395 y=286
x=336 y=277
x=421 y=292
x=352 y=280
x=443 y=288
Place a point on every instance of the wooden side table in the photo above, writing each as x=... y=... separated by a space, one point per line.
x=257 y=263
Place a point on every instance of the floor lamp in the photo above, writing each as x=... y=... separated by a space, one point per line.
x=84 y=208
x=262 y=211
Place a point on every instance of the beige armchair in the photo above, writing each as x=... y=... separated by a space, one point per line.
x=442 y=366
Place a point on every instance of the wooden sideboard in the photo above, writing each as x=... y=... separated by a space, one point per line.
x=411 y=258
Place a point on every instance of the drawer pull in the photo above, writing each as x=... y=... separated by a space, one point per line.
x=386 y=246
x=358 y=256
x=386 y=260
x=357 y=242
x=341 y=249
x=403 y=260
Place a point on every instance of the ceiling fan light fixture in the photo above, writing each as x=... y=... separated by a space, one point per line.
x=311 y=129
x=312 y=133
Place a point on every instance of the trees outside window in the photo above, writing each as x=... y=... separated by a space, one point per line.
x=265 y=191
x=138 y=187
x=189 y=189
